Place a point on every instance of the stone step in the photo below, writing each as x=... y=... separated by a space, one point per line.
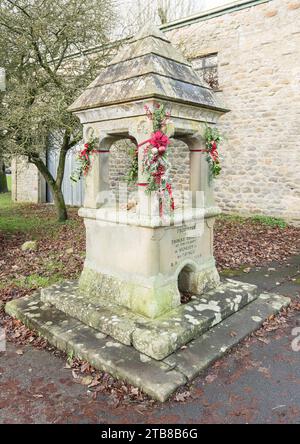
x=109 y=318
x=168 y=333
x=159 y=379
x=160 y=337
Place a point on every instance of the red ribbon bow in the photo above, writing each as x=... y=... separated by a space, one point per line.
x=157 y=139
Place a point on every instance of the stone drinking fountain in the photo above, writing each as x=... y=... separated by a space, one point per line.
x=125 y=315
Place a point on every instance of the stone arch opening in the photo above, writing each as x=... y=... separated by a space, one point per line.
x=120 y=158
x=179 y=156
x=185 y=278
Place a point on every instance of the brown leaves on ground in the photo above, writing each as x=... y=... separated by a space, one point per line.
x=101 y=382
x=60 y=256
x=245 y=242
x=277 y=322
x=182 y=396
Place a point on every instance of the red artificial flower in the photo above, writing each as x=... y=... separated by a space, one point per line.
x=214 y=152
x=158 y=139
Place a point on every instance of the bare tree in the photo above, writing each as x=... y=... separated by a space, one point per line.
x=37 y=38
x=159 y=11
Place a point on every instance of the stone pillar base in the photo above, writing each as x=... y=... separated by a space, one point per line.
x=144 y=268
x=150 y=301
x=144 y=300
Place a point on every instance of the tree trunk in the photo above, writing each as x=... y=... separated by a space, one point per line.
x=56 y=184
x=59 y=201
x=3 y=181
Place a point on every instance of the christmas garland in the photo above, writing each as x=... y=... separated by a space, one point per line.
x=155 y=163
x=84 y=160
x=212 y=139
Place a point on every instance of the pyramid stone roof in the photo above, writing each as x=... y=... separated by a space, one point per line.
x=148 y=66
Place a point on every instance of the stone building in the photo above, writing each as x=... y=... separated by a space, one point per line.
x=249 y=52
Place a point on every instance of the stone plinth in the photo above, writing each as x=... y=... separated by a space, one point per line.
x=155 y=338
x=143 y=268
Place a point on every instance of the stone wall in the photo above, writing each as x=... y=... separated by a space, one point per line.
x=258 y=53
x=259 y=78
x=179 y=156
x=27 y=183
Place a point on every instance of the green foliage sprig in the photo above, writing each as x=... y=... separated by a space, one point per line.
x=84 y=160
x=132 y=175
x=212 y=140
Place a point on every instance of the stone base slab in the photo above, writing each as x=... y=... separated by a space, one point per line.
x=159 y=337
x=159 y=379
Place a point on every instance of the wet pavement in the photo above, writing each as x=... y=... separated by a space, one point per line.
x=258 y=382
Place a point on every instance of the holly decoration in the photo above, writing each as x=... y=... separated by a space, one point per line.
x=212 y=139
x=84 y=160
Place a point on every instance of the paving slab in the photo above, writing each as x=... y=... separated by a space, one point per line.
x=159 y=379
x=217 y=341
x=273 y=275
x=156 y=338
x=156 y=378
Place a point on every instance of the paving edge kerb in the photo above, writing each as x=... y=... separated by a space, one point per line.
x=159 y=379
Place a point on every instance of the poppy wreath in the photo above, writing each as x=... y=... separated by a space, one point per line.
x=155 y=163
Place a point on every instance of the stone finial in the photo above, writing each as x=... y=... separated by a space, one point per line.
x=150 y=30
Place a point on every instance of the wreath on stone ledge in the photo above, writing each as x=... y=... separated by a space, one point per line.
x=156 y=165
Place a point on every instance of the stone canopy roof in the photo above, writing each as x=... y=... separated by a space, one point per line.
x=147 y=67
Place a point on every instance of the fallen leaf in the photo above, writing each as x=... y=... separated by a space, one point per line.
x=94 y=383
x=86 y=380
x=210 y=378
x=134 y=391
x=264 y=340
x=264 y=371
x=181 y=397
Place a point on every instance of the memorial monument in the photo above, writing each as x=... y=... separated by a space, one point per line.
x=125 y=314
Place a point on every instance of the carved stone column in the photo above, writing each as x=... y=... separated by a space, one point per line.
x=97 y=179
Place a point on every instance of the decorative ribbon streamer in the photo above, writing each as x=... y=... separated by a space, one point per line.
x=213 y=152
